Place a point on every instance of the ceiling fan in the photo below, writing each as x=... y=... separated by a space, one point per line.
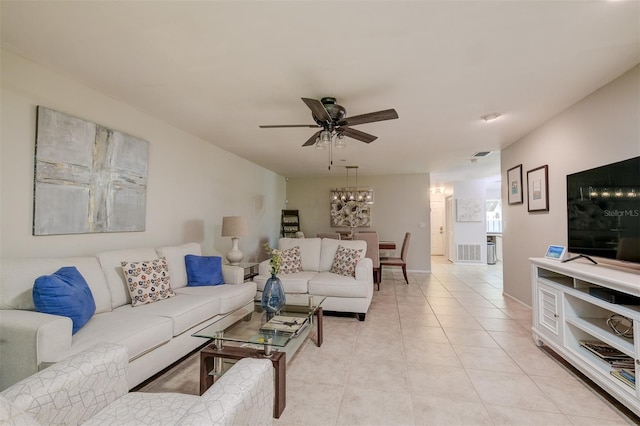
x=332 y=119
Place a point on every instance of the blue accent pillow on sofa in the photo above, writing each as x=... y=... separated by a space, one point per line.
x=65 y=293
x=203 y=270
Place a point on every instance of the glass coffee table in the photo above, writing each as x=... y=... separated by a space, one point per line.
x=262 y=335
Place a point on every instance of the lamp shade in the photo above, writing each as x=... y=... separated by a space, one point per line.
x=234 y=226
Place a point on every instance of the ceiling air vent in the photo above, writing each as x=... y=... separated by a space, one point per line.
x=481 y=154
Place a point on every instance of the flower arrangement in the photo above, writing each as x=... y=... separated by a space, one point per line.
x=276 y=258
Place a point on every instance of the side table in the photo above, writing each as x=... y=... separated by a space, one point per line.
x=250 y=270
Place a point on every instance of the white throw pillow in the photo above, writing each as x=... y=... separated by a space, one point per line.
x=148 y=281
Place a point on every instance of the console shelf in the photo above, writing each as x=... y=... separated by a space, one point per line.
x=290 y=223
x=565 y=314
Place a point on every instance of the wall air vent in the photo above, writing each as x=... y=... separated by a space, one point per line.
x=470 y=253
x=481 y=154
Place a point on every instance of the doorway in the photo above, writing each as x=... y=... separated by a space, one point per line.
x=437 y=227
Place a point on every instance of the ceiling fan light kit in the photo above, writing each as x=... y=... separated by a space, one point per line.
x=325 y=137
x=332 y=119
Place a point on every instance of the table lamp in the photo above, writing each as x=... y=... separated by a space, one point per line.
x=234 y=227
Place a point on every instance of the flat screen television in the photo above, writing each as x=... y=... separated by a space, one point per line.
x=603 y=211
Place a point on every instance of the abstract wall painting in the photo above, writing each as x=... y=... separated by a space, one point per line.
x=469 y=210
x=88 y=178
x=351 y=214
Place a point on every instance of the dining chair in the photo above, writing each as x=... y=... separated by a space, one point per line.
x=373 y=252
x=398 y=261
x=334 y=235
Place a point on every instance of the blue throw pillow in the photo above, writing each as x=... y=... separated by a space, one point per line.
x=203 y=270
x=65 y=293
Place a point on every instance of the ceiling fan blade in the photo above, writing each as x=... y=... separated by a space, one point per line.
x=312 y=139
x=387 y=114
x=357 y=134
x=275 y=126
x=317 y=109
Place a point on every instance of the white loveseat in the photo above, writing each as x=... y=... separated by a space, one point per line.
x=155 y=334
x=91 y=388
x=343 y=293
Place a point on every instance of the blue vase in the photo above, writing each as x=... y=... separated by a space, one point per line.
x=273 y=298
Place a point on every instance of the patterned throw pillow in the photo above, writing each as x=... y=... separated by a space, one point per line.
x=291 y=261
x=344 y=262
x=147 y=281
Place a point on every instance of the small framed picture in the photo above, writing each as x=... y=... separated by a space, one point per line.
x=538 y=189
x=514 y=182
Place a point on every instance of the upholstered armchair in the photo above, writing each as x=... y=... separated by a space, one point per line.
x=91 y=388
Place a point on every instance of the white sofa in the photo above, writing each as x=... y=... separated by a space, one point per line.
x=343 y=293
x=91 y=388
x=155 y=334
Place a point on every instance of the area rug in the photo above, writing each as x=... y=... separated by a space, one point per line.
x=184 y=377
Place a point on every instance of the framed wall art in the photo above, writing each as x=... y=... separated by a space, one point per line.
x=351 y=214
x=469 y=210
x=88 y=178
x=514 y=182
x=538 y=189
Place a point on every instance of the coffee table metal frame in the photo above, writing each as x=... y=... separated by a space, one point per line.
x=212 y=356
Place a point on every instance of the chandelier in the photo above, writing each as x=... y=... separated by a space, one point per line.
x=352 y=194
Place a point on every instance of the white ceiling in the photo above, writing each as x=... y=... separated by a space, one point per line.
x=219 y=69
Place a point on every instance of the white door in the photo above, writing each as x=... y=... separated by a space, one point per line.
x=437 y=228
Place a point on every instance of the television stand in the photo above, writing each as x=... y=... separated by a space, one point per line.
x=569 y=320
x=578 y=257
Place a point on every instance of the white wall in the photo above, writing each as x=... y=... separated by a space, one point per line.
x=191 y=183
x=401 y=205
x=600 y=129
x=472 y=232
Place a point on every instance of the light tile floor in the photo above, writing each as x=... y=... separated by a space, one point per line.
x=447 y=349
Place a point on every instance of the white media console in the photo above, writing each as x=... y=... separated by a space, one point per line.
x=564 y=314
